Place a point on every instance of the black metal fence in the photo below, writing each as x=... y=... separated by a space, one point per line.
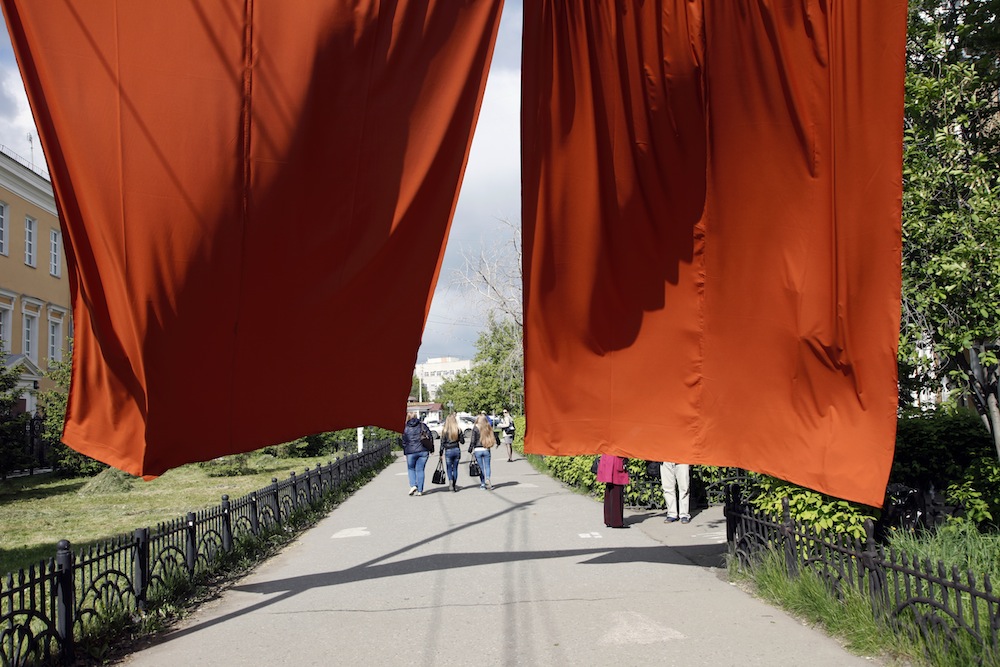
x=933 y=604
x=45 y=608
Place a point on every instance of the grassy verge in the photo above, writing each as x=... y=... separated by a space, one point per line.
x=36 y=512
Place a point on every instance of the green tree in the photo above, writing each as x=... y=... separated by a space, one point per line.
x=14 y=453
x=496 y=379
x=419 y=389
x=951 y=213
x=53 y=405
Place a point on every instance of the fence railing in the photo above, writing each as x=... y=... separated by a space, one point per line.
x=934 y=604
x=45 y=608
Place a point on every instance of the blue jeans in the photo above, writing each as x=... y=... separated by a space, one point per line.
x=451 y=457
x=483 y=459
x=415 y=469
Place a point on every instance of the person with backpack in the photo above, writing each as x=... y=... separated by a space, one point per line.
x=480 y=444
x=415 y=436
x=507 y=427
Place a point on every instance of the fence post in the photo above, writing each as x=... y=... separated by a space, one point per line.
x=227 y=525
x=729 y=511
x=276 y=505
x=66 y=600
x=877 y=588
x=191 y=544
x=140 y=567
x=295 y=491
x=254 y=516
x=309 y=487
x=788 y=536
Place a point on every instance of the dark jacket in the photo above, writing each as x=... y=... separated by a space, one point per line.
x=474 y=440
x=411 y=437
x=449 y=444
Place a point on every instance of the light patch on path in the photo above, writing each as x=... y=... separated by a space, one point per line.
x=718 y=537
x=633 y=628
x=587 y=535
x=351 y=532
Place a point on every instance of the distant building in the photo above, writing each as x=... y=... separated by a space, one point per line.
x=436 y=370
x=35 y=314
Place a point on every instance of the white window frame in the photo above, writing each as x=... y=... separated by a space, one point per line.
x=6 y=326
x=56 y=318
x=55 y=341
x=30 y=240
x=55 y=253
x=29 y=335
x=4 y=229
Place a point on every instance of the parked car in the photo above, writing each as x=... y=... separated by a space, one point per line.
x=435 y=426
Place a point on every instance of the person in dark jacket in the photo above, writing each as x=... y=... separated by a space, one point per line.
x=416 y=454
x=452 y=439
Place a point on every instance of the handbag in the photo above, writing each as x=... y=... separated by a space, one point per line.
x=653 y=469
x=439 y=477
x=474 y=470
x=593 y=466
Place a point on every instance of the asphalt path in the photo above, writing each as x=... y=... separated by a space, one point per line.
x=525 y=574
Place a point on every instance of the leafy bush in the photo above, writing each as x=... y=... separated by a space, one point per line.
x=934 y=449
x=810 y=507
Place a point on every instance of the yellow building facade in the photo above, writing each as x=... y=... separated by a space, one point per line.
x=35 y=316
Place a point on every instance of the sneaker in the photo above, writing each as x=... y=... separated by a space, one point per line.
x=413 y=490
x=686 y=519
x=670 y=519
x=482 y=486
x=489 y=485
x=454 y=487
x=418 y=493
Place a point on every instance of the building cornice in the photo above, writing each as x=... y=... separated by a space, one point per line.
x=26 y=184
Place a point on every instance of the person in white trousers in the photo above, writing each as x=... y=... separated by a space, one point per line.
x=676 y=478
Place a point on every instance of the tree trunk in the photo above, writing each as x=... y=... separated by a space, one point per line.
x=994 y=416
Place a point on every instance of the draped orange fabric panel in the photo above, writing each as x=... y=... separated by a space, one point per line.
x=712 y=196
x=255 y=198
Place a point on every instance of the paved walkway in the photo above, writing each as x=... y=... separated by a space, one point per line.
x=526 y=574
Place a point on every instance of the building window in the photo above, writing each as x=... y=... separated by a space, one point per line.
x=29 y=241
x=5 y=327
x=3 y=228
x=29 y=344
x=55 y=341
x=55 y=243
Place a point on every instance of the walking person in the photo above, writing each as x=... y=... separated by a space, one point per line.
x=451 y=441
x=416 y=453
x=611 y=471
x=506 y=426
x=480 y=444
x=676 y=480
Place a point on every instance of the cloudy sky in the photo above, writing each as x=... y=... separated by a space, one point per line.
x=491 y=191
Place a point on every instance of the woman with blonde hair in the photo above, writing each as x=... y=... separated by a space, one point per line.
x=480 y=444
x=451 y=439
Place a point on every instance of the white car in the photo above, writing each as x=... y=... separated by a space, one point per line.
x=465 y=425
x=435 y=426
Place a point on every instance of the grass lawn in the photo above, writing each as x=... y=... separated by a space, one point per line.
x=36 y=512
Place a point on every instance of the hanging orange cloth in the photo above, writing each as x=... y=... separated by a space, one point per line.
x=712 y=196
x=255 y=198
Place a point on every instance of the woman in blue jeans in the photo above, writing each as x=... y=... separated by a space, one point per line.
x=416 y=454
x=480 y=444
x=451 y=441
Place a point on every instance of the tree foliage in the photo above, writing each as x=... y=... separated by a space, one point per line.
x=951 y=212
x=53 y=405
x=14 y=453
x=496 y=379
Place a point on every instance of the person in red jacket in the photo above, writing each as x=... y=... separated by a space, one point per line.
x=611 y=471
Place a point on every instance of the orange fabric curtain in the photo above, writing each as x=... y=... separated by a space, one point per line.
x=712 y=233
x=255 y=198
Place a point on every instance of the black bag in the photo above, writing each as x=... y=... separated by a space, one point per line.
x=474 y=470
x=439 y=477
x=653 y=469
x=593 y=466
x=426 y=437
